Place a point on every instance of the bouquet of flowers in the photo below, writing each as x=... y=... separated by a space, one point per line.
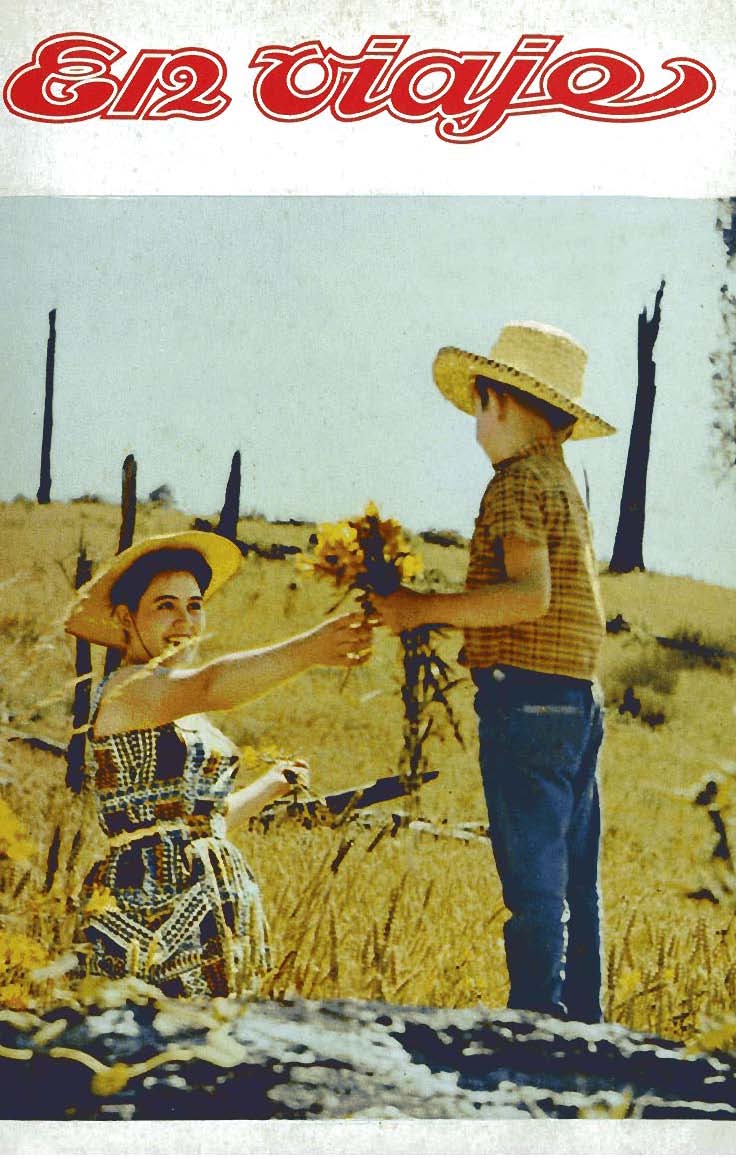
x=371 y=554
x=368 y=554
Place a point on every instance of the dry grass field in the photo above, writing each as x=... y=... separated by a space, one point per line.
x=382 y=911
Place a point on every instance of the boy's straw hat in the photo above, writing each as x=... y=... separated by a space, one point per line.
x=90 y=616
x=537 y=359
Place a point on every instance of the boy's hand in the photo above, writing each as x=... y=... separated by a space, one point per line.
x=402 y=611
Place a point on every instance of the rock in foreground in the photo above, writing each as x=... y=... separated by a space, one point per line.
x=149 y=1059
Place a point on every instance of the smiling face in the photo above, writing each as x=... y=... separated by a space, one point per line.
x=168 y=621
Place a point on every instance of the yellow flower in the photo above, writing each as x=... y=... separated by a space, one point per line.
x=715 y=1034
x=410 y=566
x=337 y=553
x=111 y=1080
x=17 y=951
x=340 y=551
x=14 y=996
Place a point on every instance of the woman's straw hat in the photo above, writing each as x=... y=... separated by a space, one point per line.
x=534 y=358
x=91 y=615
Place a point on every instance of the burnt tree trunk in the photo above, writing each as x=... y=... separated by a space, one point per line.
x=228 y=524
x=723 y=359
x=43 y=494
x=628 y=548
x=127 y=529
x=727 y=226
x=83 y=666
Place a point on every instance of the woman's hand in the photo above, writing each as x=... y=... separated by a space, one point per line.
x=341 y=642
x=289 y=776
x=147 y=697
x=281 y=778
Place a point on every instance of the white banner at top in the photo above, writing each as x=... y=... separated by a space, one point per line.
x=134 y=98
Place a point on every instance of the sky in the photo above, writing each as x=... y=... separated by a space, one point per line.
x=301 y=331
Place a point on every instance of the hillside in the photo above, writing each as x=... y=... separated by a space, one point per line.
x=389 y=924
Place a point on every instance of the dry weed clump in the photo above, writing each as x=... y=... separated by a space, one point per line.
x=356 y=916
x=48 y=839
x=671 y=982
x=641 y=668
x=693 y=646
x=641 y=680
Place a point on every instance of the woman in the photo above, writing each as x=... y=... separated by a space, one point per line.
x=174 y=902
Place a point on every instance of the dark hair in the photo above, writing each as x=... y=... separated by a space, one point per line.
x=558 y=419
x=129 y=588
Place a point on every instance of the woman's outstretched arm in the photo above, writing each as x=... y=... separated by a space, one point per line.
x=146 y=697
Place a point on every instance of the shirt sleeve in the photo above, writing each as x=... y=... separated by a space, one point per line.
x=514 y=508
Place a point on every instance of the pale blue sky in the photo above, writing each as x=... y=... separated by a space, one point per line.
x=302 y=331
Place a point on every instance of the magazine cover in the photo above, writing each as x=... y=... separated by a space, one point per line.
x=405 y=335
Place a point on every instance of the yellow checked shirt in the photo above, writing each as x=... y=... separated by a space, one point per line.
x=532 y=496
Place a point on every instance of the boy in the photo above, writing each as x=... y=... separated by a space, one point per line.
x=534 y=625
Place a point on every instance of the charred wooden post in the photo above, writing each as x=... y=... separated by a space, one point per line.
x=587 y=489
x=228 y=523
x=726 y=223
x=43 y=494
x=628 y=549
x=75 y=751
x=127 y=530
x=723 y=358
x=127 y=504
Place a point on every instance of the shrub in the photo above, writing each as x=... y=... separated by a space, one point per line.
x=689 y=647
x=639 y=683
x=444 y=538
x=162 y=496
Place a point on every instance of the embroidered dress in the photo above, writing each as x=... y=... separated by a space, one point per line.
x=174 y=902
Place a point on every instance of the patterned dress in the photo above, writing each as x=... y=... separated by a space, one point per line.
x=173 y=902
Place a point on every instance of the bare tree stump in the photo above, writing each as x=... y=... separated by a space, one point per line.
x=228 y=523
x=127 y=530
x=43 y=494
x=628 y=549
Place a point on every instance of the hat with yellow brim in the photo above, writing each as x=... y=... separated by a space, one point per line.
x=536 y=359
x=91 y=615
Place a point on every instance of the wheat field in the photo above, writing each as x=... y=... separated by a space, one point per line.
x=378 y=909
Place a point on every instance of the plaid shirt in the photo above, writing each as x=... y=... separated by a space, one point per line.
x=532 y=496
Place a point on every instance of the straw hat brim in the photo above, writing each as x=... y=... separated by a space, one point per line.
x=91 y=615
x=455 y=371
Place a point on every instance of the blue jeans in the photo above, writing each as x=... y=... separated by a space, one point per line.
x=539 y=741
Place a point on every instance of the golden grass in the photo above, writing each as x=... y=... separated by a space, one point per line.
x=405 y=917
